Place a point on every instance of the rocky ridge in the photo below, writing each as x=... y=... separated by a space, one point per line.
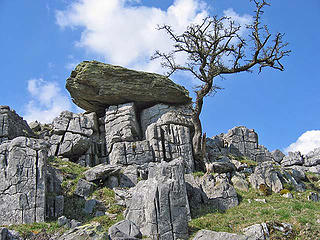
x=141 y=152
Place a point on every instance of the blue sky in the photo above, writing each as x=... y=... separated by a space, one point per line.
x=42 y=40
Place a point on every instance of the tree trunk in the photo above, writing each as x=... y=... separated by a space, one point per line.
x=197 y=140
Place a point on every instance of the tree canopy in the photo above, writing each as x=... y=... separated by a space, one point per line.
x=218 y=46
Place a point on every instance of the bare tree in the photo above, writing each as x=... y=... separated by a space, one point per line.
x=216 y=47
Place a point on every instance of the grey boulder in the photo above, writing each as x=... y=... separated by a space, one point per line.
x=159 y=205
x=94 y=86
x=293 y=158
x=101 y=171
x=313 y=158
x=124 y=230
x=211 y=235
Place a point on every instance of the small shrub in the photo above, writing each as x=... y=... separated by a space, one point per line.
x=284 y=191
x=288 y=186
x=264 y=190
x=198 y=174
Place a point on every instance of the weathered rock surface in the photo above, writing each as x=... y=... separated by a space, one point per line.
x=293 y=158
x=312 y=158
x=196 y=195
x=162 y=114
x=277 y=155
x=170 y=142
x=220 y=193
x=257 y=231
x=23 y=181
x=12 y=125
x=265 y=173
x=121 y=124
x=211 y=235
x=124 y=230
x=238 y=141
x=77 y=137
x=159 y=205
x=94 y=86
x=84 y=188
x=239 y=182
x=6 y=234
x=101 y=171
x=92 y=231
x=128 y=153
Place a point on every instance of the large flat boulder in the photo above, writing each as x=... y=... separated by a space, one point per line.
x=94 y=86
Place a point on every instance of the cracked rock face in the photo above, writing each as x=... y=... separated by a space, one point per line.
x=312 y=158
x=239 y=141
x=166 y=135
x=22 y=181
x=159 y=205
x=265 y=173
x=94 y=86
x=12 y=125
x=121 y=124
x=77 y=136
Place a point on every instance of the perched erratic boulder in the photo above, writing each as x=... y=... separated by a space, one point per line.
x=94 y=86
x=22 y=181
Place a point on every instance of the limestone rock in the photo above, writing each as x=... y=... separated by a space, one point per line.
x=239 y=182
x=170 y=142
x=196 y=195
x=221 y=194
x=313 y=158
x=12 y=125
x=265 y=173
x=77 y=137
x=6 y=234
x=277 y=155
x=128 y=153
x=159 y=205
x=223 y=165
x=241 y=140
x=121 y=124
x=101 y=171
x=94 y=86
x=164 y=114
x=211 y=235
x=91 y=231
x=257 y=231
x=23 y=181
x=84 y=188
x=293 y=158
x=124 y=229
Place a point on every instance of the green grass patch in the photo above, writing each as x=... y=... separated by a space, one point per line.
x=198 y=174
x=71 y=172
x=298 y=211
x=26 y=230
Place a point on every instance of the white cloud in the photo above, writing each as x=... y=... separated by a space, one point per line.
x=47 y=101
x=127 y=35
x=307 y=142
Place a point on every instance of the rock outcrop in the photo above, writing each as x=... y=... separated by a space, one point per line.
x=78 y=137
x=94 y=86
x=12 y=125
x=239 y=141
x=159 y=205
x=23 y=181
